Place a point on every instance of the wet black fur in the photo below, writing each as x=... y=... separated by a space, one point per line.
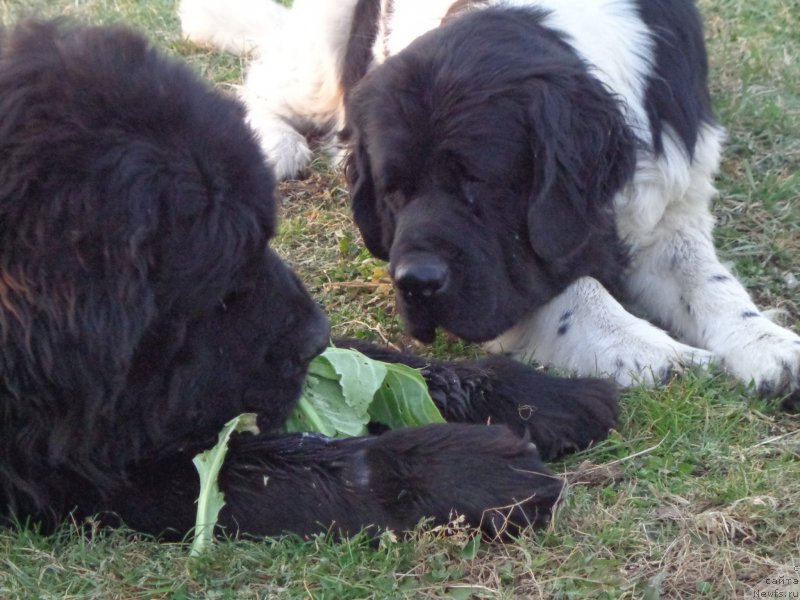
x=141 y=308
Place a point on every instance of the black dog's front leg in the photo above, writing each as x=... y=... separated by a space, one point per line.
x=306 y=483
x=558 y=414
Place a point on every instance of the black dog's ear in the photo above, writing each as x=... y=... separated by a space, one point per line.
x=80 y=289
x=76 y=301
x=583 y=153
x=362 y=193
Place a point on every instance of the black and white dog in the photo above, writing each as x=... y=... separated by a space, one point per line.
x=537 y=172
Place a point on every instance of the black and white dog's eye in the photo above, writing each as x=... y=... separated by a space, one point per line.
x=394 y=199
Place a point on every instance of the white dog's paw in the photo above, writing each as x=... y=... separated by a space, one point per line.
x=285 y=148
x=764 y=353
x=610 y=342
x=651 y=361
x=288 y=156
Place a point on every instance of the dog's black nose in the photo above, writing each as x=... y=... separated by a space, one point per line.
x=420 y=275
x=315 y=336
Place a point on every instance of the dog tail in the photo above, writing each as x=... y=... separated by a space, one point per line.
x=237 y=26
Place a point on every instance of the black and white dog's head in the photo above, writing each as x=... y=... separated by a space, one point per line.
x=483 y=161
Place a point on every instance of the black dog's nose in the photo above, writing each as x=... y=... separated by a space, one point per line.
x=316 y=336
x=420 y=275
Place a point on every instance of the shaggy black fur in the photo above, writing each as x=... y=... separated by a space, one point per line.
x=483 y=162
x=141 y=308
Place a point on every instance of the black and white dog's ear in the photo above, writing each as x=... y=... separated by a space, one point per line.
x=583 y=153
x=364 y=203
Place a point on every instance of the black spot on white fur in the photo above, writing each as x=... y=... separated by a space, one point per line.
x=564 y=322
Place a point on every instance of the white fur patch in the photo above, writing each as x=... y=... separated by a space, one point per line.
x=586 y=331
x=613 y=40
x=246 y=22
x=409 y=20
x=293 y=82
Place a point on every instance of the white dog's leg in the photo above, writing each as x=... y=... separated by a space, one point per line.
x=680 y=283
x=236 y=26
x=587 y=331
x=292 y=88
x=677 y=280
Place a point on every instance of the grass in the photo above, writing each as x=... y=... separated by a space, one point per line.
x=697 y=494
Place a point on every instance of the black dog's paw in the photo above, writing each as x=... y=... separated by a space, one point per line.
x=496 y=480
x=558 y=414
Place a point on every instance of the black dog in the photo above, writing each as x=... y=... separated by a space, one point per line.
x=526 y=167
x=141 y=308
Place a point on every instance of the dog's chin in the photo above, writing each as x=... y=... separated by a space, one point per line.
x=422 y=329
x=422 y=326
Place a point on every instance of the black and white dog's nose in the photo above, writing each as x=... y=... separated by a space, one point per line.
x=420 y=275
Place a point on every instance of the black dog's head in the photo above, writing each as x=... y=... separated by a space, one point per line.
x=140 y=304
x=482 y=164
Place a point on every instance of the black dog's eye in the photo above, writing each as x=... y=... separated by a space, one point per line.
x=470 y=194
x=457 y=179
x=228 y=301
x=470 y=191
